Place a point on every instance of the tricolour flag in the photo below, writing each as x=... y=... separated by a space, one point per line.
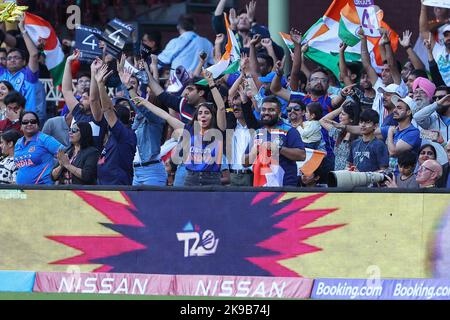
x=313 y=160
x=340 y=23
x=229 y=63
x=41 y=30
x=288 y=41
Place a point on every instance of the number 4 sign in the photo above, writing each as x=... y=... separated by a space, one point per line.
x=368 y=17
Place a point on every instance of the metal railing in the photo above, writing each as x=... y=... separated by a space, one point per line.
x=52 y=94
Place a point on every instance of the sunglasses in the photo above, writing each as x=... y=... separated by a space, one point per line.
x=296 y=108
x=32 y=121
x=436 y=98
x=74 y=130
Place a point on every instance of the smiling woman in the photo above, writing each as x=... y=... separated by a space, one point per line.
x=34 y=153
x=5 y=88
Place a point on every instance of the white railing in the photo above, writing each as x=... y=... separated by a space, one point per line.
x=52 y=94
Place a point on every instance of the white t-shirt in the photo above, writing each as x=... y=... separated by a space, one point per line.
x=442 y=58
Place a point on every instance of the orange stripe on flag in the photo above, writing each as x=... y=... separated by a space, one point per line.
x=350 y=13
x=334 y=11
x=312 y=164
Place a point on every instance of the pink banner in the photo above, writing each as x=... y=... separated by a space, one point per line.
x=247 y=287
x=170 y=285
x=107 y=283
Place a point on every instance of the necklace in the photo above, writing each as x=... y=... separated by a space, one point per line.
x=360 y=158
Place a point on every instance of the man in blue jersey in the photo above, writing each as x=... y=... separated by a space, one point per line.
x=284 y=141
x=23 y=77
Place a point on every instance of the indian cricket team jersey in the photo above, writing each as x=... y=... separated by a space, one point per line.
x=25 y=82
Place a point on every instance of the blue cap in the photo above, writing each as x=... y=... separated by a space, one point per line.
x=269 y=77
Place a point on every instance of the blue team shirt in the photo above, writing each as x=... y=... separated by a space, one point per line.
x=290 y=138
x=369 y=157
x=204 y=156
x=35 y=159
x=410 y=135
x=115 y=166
x=24 y=81
x=327 y=107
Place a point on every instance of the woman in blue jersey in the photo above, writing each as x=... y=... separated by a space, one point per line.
x=202 y=139
x=35 y=152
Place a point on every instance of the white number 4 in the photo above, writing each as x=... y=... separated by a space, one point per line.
x=116 y=39
x=93 y=44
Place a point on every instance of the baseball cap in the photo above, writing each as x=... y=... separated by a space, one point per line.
x=269 y=77
x=408 y=100
x=392 y=88
x=447 y=28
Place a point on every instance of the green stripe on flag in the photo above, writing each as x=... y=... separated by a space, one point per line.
x=57 y=73
x=329 y=61
x=232 y=68
x=346 y=36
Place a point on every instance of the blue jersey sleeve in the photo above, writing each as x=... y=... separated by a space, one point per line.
x=51 y=144
x=382 y=155
x=294 y=140
x=384 y=132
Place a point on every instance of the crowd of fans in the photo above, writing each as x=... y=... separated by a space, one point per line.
x=187 y=132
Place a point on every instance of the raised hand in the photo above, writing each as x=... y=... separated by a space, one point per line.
x=296 y=36
x=305 y=48
x=384 y=37
x=279 y=68
x=244 y=63
x=233 y=18
x=103 y=74
x=255 y=40
x=220 y=38
x=343 y=46
x=251 y=10
x=348 y=90
x=21 y=23
x=95 y=65
x=445 y=101
x=208 y=76
x=361 y=34
x=406 y=41
x=74 y=56
x=154 y=58
x=266 y=43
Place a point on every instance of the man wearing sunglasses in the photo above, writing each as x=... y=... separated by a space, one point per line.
x=15 y=105
x=436 y=116
x=296 y=112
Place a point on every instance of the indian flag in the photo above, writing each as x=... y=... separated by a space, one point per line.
x=288 y=41
x=340 y=24
x=42 y=31
x=229 y=63
x=313 y=160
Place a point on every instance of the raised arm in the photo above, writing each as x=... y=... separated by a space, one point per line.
x=107 y=106
x=201 y=62
x=327 y=121
x=423 y=23
x=254 y=66
x=268 y=45
x=220 y=8
x=67 y=89
x=33 y=62
x=412 y=56
x=221 y=113
x=297 y=60
x=220 y=38
x=276 y=87
x=365 y=59
x=94 y=96
x=172 y=121
x=390 y=57
x=343 y=70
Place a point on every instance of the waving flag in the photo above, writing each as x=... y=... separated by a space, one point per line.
x=288 y=41
x=340 y=24
x=312 y=162
x=41 y=31
x=229 y=63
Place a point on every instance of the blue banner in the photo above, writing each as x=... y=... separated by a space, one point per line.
x=377 y=289
x=16 y=281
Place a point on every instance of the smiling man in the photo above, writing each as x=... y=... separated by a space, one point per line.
x=283 y=142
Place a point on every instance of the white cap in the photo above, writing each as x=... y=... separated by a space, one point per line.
x=408 y=100
x=446 y=28
x=392 y=88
